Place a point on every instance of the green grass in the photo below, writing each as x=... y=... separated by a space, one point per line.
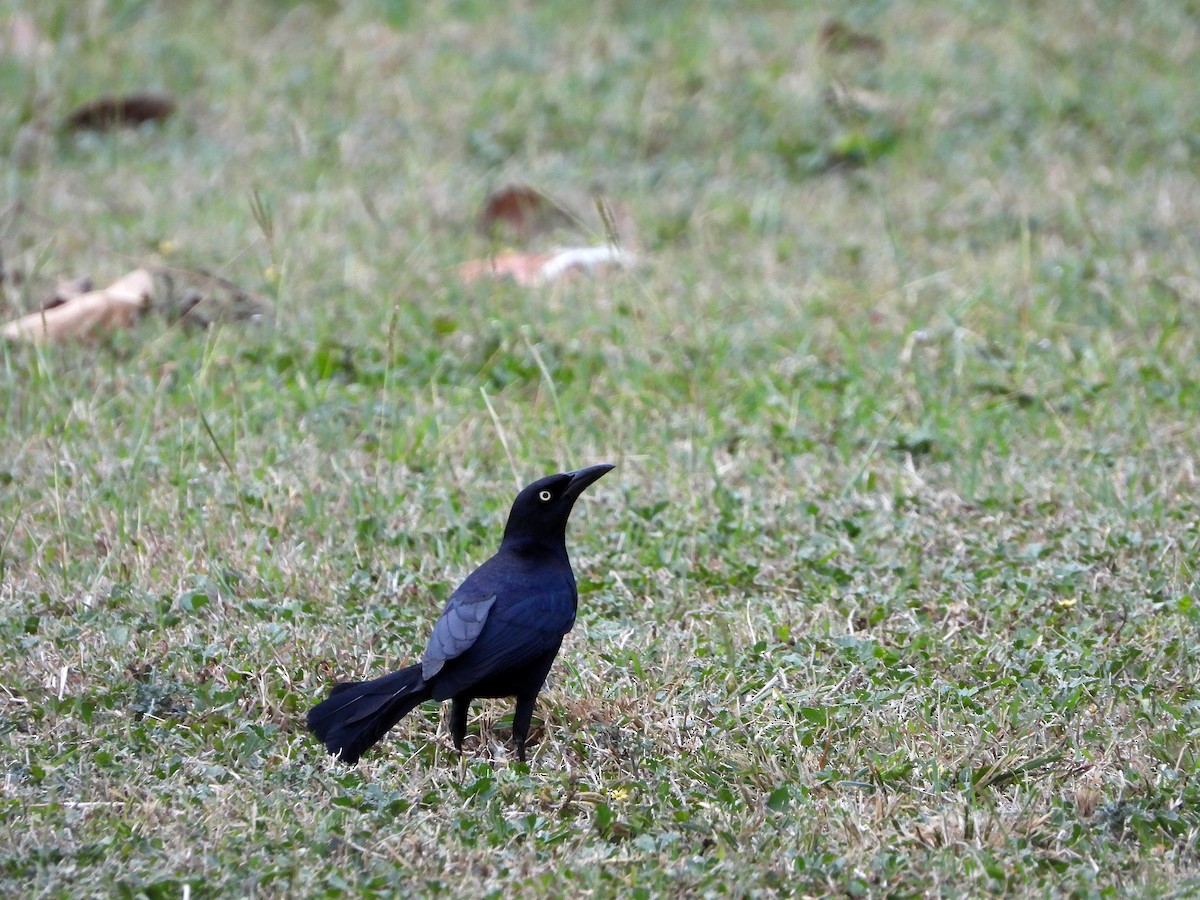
x=894 y=590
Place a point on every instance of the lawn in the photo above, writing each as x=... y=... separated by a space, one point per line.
x=894 y=589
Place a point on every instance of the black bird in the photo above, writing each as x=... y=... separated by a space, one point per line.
x=497 y=636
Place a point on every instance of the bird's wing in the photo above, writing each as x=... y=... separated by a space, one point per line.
x=521 y=630
x=457 y=629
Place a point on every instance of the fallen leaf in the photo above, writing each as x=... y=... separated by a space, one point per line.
x=838 y=37
x=68 y=290
x=82 y=316
x=531 y=269
x=588 y=260
x=196 y=297
x=850 y=100
x=127 y=109
x=521 y=210
x=523 y=268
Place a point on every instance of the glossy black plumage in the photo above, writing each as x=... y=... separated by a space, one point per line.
x=497 y=636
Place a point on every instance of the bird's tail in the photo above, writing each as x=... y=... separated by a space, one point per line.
x=356 y=714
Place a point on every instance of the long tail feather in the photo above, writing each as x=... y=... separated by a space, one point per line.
x=357 y=714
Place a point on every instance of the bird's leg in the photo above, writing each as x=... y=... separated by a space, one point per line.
x=460 y=706
x=521 y=717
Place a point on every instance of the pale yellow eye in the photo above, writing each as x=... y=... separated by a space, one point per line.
x=544 y=496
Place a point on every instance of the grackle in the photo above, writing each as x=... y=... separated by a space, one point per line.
x=497 y=636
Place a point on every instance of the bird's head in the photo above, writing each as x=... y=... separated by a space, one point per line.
x=540 y=512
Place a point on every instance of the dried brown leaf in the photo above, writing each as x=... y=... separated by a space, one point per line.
x=523 y=268
x=838 y=38
x=127 y=109
x=532 y=269
x=116 y=306
x=68 y=290
x=844 y=98
x=197 y=297
x=521 y=212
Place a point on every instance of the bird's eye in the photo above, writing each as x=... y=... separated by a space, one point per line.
x=544 y=496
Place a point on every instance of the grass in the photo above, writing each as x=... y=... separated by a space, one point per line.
x=893 y=591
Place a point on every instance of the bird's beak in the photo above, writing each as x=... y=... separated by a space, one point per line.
x=581 y=478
